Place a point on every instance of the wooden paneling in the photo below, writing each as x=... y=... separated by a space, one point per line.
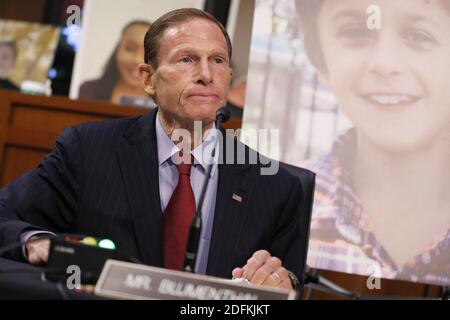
x=23 y=10
x=35 y=118
x=233 y=123
x=29 y=126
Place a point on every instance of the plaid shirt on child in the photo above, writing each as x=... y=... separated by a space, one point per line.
x=341 y=239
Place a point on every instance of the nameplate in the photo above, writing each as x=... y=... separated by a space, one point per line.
x=124 y=280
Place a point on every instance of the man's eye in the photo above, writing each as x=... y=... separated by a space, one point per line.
x=186 y=60
x=218 y=60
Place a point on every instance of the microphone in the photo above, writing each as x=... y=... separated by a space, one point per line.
x=222 y=116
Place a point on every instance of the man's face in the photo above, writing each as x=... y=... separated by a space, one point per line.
x=6 y=61
x=393 y=83
x=193 y=74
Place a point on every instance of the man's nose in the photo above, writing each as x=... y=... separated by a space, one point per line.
x=204 y=72
x=387 y=57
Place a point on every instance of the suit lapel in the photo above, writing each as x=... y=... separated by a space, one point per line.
x=229 y=217
x=138 y=160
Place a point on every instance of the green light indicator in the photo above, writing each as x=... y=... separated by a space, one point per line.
x=106 y=244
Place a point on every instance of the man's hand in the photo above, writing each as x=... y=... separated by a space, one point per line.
x=265 y=270
x=37 y=250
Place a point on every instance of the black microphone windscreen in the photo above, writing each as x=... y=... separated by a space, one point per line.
x=223 y=113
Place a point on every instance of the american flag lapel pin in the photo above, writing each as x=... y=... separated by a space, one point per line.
x=237 y=198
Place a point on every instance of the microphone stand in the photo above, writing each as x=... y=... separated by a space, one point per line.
x=223 y=114
x=314 y=281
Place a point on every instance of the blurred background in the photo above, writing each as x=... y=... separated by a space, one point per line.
x=48 y=51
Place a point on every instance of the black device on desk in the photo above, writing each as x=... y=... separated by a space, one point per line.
x=19 y=280
x=76 y=252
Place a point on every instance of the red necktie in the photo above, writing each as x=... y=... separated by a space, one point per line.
x=177 y=219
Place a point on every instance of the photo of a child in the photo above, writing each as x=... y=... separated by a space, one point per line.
x=382 y=200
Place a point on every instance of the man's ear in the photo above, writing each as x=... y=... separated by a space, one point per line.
x=231 y=75
x=146 y=74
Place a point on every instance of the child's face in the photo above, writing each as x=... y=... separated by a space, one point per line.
x=393 y=83
x=6 y=61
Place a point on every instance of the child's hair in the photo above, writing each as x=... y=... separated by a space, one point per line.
x=308 y=12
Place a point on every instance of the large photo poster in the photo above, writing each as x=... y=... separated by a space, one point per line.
x=27 y=51
x=359 y=91
x=112 y=47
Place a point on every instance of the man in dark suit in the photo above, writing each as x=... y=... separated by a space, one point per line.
x=124 y=179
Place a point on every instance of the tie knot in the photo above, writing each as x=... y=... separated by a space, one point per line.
x=184 y=168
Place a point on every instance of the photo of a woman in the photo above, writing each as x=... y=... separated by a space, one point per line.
x=119 y=79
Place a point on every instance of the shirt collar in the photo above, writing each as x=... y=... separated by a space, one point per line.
x=202 y=153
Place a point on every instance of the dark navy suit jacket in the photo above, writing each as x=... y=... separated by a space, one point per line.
x=101 y=179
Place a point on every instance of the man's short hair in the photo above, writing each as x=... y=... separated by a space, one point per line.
x=12 y=45
x=152 y=41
